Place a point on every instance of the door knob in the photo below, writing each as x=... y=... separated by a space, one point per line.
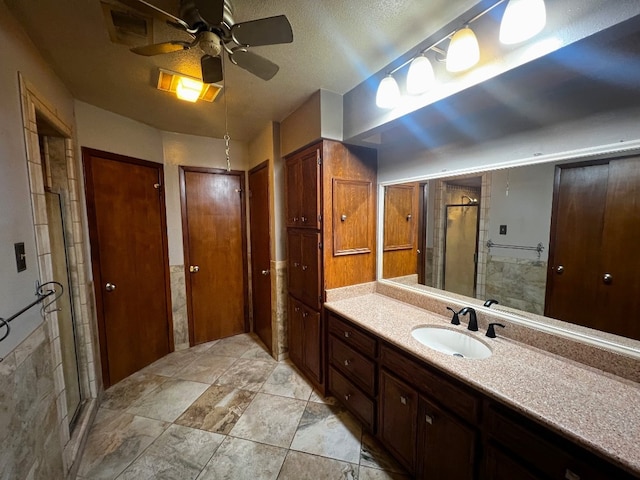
x=194 y=268
x=110 y=287
x=607 y=278
x=559 y=269
x=265 y=272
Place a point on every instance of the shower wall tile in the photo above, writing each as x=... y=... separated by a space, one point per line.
x=179 y=307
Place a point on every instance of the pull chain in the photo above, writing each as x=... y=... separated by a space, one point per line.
x=226 y=137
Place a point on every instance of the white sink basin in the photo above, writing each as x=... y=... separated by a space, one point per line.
x=452 y=342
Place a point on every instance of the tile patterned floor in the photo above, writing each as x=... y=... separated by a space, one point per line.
x=227 y=410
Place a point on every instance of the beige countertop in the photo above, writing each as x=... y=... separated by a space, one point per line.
x=597 y=410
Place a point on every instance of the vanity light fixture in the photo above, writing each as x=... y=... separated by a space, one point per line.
x=388 y=94
x=522 y=20
x=464 y=51
x=420 y=76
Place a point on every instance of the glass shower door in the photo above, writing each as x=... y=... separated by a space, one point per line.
x=460 y=249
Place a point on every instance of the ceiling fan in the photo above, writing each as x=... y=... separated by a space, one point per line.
x=210 y=24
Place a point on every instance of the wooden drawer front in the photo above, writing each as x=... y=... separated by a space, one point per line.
x=356 y=367
x=547 y=453
x=352 y=336
x=459 y=401
x=352 y=398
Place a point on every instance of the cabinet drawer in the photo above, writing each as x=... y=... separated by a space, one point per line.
x=352 y=336
x=457 y=400
x=356 y=367
x=545 y=452
x=352 y=398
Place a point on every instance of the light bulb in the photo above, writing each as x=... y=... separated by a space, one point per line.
x=188 y=89
x=464 y=51
x=522 y=20
x=388 y=94
x=420 y=76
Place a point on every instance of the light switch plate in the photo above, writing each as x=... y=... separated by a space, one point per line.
x=21 y=257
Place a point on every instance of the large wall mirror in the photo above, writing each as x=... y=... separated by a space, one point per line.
x=554 y=239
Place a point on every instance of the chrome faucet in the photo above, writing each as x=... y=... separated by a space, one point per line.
x=473 y=319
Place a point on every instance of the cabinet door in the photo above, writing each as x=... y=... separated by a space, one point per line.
x=446 y=446
x=295 y=338
x=310 y=269
x=293 y=191
x=312 y=347
x=294 y=263
x=501 y=466
x=310 y=188
x=398 y=413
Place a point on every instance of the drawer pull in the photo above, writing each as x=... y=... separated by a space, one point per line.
x=305 y=314
x=296 y=264
x=347 y=397
x=403 y=400
x=297 y=309
x=429 y=419
x=569 y=475
x=347 y=334
x=347 y=363
x=304 y=267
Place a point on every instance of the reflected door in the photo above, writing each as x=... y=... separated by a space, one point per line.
x=461 y=247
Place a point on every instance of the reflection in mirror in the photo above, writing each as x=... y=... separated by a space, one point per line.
x=549 y=239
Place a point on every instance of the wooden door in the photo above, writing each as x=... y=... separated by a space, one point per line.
x=294 y=263
x=400 y=255
x=311 y=270
x=213 y=216
x=617 y=277
x=127 y=230
x=310 y=188
x=294 y=335
x=312 y=343
x=446 y=446
x=260 y=252
x=397 y=422
x=293 y=189
x=576 y=235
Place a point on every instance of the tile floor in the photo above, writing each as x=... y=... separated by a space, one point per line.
x=227 y=410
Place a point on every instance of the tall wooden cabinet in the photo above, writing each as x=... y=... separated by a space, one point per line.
x=330 y=200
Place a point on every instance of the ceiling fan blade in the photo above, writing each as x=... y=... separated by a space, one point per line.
x=146 y=8
x=211 y=11
x=259 y=66
x=159 y=48
x=211 y=69
x=265 y=31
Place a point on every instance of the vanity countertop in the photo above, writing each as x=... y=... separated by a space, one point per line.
x=596 y=410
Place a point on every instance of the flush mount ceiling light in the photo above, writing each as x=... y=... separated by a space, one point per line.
x=388 y=94
x=175 y=82
x=464 y=51
x=522 y=20
x=420 y=76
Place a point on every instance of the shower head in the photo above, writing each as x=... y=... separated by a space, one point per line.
x=472 y=201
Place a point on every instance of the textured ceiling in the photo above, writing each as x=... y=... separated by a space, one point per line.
x=337 y=44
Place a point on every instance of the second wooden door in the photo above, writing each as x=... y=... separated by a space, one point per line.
x=214 y=233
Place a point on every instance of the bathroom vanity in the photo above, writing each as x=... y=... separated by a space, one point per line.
x=521 y=413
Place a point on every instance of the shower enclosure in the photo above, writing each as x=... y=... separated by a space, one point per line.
x=461 y=249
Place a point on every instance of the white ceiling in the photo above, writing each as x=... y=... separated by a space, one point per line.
x=337 y=44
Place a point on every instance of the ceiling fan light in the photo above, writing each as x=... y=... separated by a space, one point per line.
x=388 y=94
x=464 y=51
x=522 y=20
x=188 y=89
x=420 y=76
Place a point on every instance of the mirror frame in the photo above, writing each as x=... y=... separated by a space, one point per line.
x=611 y=342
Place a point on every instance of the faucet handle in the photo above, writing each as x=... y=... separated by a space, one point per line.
x=491 y=332
x=455 y=320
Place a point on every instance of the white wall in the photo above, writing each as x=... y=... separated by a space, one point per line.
x=16 y=221
x=521 y=199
